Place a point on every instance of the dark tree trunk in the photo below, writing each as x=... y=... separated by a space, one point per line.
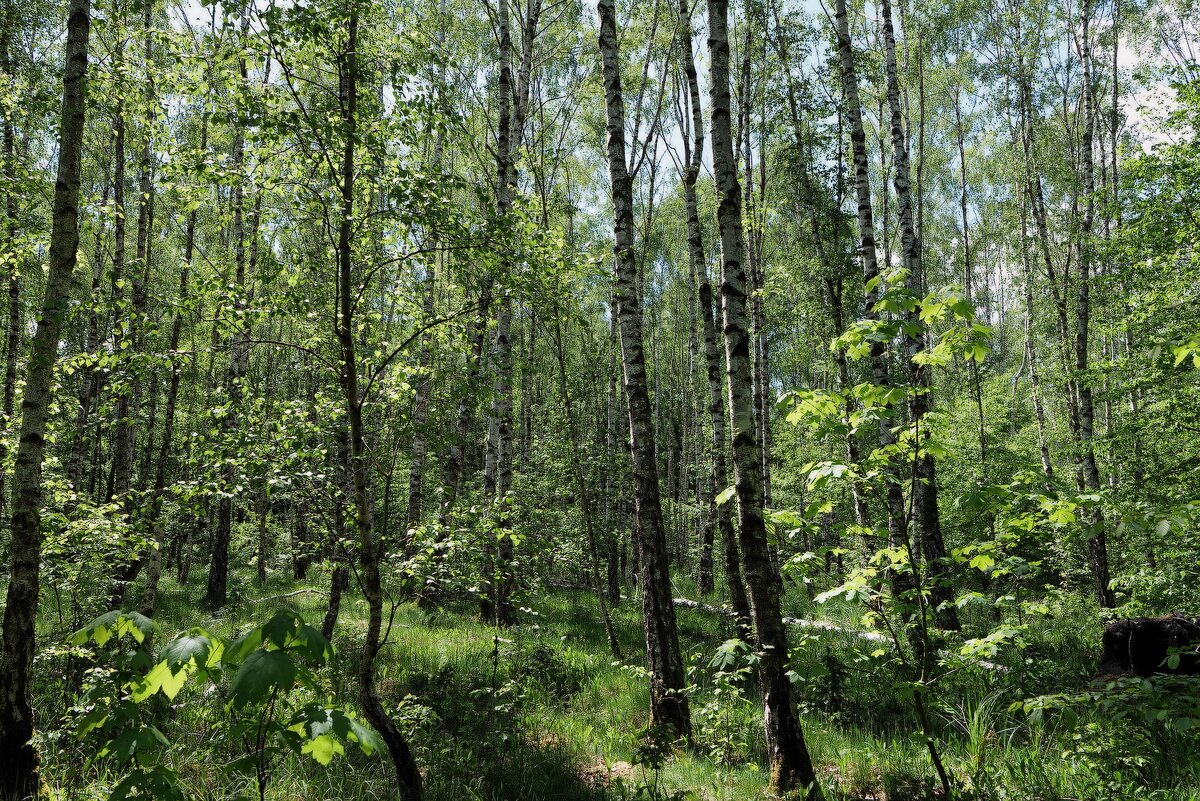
x=668 y=698
x=926 y=518
x=791 y=766
x=19 y=779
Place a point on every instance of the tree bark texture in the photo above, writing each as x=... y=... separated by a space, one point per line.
x=668 y=698
x=19 y=779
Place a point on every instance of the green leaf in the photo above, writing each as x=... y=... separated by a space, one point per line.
x=982 y=562
x=115 y=624
x=369 y=741
x=244 y=646
x=280 y=629
x=724 y=495
x=322 y=748
x=191 y=648
x=161 y=677
x=262 y=673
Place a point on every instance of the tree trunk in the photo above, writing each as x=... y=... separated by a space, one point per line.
x=19 y=780
x=893 y=493
x=154 y=566
x=12 y=338
x=1092 y=518
x=420 y=442
x=790 y=764
x=668 y=698
x=370 y=550
x=585 y=504
x=718 y=477
x=218 y=574
x=926 y=519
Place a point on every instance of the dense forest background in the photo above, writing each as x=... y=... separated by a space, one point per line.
x=483 y=399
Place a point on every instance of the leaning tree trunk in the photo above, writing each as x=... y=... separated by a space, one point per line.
x=370 y=549
x=19 y=779
x=790 y=764
x=9 y=253
x=668 y=697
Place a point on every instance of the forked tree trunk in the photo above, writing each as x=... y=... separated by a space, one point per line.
x=668 y=684
x=19 y=779
x=791 y=766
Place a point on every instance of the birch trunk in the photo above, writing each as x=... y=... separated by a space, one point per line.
x=1092 y=519
x=790 y=764
x=154 y=566
x=420 y=441
x=20 y=777
x=218 y=573
x=668 y=698
x=370 y=549
x=893 y=494
x=926 y=520
x=12 y=338
x=718 y=477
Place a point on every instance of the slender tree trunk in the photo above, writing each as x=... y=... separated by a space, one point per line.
x=976 y=384
x=926 y=519
x=218 y=573
x=1093 y=519
x=1031 y=353
x=668 y=698
x=122 y=453
x=130 y=398
x=790 y=764
x=370 y=548
x=718 y=477
x=893 y=492
x=12 y=337
x=19 y=779
x=585 y=504
x=420 y=443
x=834 y=288
x=339 y=579
x=616 y=559
x=90 y=379
x=154 y=566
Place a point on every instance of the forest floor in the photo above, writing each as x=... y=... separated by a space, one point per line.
x=542 y=711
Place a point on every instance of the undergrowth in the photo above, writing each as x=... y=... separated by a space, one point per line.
x=541 y=711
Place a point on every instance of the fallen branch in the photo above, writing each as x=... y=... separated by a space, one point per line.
x=285 y=595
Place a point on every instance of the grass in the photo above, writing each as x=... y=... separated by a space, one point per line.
x=544 y=712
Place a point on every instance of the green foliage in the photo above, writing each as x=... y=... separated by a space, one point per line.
x=274 y=705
